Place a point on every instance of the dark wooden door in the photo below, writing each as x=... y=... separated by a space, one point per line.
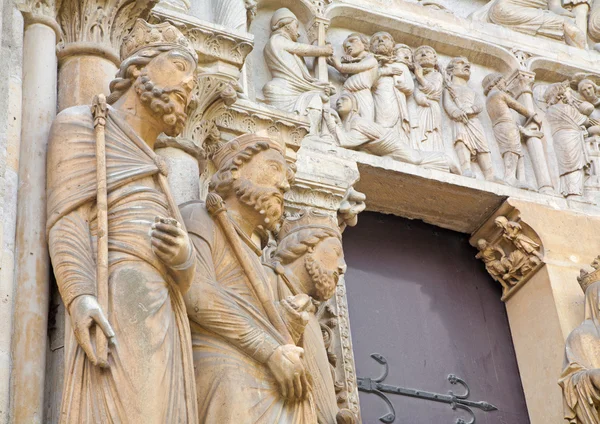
x=418 y=296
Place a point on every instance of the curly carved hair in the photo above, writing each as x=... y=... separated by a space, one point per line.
x=126 y=76
x=299 y=243
x=222 y=182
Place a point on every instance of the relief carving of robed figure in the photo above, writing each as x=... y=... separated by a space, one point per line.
x=131 y=289
x=248 y=366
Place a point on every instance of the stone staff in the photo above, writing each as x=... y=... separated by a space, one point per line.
x=216 y=207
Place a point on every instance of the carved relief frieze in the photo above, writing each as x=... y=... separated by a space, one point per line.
x=511 y=251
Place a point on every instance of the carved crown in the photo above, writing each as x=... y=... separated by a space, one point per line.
x=144 y=35
x=587 y=278
x=228 y=150
x=309 y=218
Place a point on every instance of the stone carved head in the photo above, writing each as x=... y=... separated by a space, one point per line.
x=493 y=80
x=159 y=64
x=346 y=104
x=403 y=54
x=285 y=22
x=310 y=245
x=382 y=43
x=459 y=67
x=356 y=44
x=588 y=90
x=425 y=56
x=558 y=93
x=252 y=170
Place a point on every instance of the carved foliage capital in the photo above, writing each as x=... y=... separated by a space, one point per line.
x=510 y=249
x=521 y=82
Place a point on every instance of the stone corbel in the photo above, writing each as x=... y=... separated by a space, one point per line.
x=511 y=250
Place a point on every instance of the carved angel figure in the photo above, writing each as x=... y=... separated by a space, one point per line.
x=362 y=70
x=430 y=85
x=580 y=380
x=356 y=133
x=568 y=126
x=292 y=87
x=534 y=17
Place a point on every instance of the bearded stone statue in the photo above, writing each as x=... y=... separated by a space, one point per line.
x=249 y=368
x=121 y=260
x=305 y=269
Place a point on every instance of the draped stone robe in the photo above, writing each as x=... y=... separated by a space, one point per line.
x=582 y=357
x=429 y=118
x=232 y=336
x=150 y=374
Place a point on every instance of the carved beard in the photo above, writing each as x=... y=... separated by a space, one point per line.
x=268 y=202
x=325 y=281
x=158 y=100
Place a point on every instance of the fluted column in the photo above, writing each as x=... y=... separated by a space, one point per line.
x=32 y=270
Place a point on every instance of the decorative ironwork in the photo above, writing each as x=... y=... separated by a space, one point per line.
x=456 y=401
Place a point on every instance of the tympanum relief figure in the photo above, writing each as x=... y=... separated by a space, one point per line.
x=131 y=287
x=351 y=131
x=463 y=105
x=430 y=85
x=568 y=126
x=546 y=18
x=362 y=70
x=292 y=87
x=249 y=368
x=305 y=270
x=590 y=106
x=390 y=89
x=580 y=380
x=499 y=105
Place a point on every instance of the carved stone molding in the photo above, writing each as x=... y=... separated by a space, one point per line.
x=97 y=27
x=40 y=11
x=510 y=248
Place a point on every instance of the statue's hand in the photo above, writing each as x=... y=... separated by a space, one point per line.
x=287 y=368
x=85 y=312
x=169 y=242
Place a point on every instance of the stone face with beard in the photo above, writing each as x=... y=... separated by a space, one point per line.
x=268 y=202
x=323 y=267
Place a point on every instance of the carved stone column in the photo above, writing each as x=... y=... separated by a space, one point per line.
x=221 y=56
x=521 y=86
x=89 y=52
x=32 y=269
x=543 y=305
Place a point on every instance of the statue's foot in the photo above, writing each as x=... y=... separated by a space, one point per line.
x=468 y=173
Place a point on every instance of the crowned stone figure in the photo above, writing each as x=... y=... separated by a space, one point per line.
x=129 y=290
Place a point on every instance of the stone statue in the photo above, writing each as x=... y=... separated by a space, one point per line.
x=292 y=87
x=580 y=380
x=309 y=260
x=390 y=110
x=494 y=259
x=122 y=266
x=591 y=104
x=404 y=87
x=356 y=133
x=463 y=105
x=546 y=18
x=430 y=85
x=568 y=126
x=507 y=132
x=362 y=70
x=248 y=366
x=513 y=232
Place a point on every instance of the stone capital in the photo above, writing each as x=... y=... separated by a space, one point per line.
x=521 y=82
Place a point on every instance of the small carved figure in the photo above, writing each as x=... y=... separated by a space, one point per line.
x=580 y=379
x=309 y=260
x=513 y=232
x=430 y=85
x=591 y=104
x=292 y=87
x=356 y=133
x=568 y=126
x=499 y=106
x=248 y=366
x=362 y=68
x=404 y=87
x=390 y=112
x=535 y=17
x=492 y=256
x=464 y=105
x=122 y=266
